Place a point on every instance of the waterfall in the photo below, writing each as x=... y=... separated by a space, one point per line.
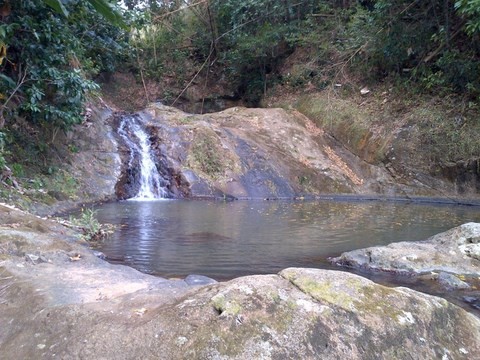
x=151 y=185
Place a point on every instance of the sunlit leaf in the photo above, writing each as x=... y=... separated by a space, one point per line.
x=3 y=52
x=106 y=10
x=58 y=6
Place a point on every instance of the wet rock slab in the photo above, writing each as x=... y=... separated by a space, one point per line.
x=73 y=305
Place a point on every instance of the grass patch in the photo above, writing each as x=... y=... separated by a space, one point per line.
x=429 y=129
x=206 y=154
x=346 y=122
x=446 y=137
x=89 y=226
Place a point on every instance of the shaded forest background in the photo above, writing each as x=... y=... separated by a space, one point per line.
x=57 y=55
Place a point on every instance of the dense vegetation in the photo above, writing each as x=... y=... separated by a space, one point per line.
x=431 y=43
x=50 y=57
x=52 y=52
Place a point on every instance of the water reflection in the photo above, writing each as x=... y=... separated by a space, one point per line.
x=224 y=240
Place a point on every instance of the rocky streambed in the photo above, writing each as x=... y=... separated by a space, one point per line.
x=59 y=300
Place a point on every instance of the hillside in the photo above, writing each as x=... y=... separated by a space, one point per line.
x=394 y=83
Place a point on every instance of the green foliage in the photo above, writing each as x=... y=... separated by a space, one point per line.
x=471 y=10
x=255 y=35
x=103 y=7
x=51 y=59
x=453 y=72
x=161 y=48
x=18 y=170
x=246 y=39
x=422 y=42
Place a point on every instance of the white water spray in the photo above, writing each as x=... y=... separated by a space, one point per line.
x=150 y=180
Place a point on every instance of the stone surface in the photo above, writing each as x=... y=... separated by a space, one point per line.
x=451 y=282
x=257 y=153
x=76 y=306
x=199 y=280
x=453 y=251
x=89 y=154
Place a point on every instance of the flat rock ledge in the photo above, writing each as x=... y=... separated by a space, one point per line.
x=456 y=251
x=57 y=300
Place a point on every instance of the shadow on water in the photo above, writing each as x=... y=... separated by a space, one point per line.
x=224 y=240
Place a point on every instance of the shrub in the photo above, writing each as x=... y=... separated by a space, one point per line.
x=50 y=60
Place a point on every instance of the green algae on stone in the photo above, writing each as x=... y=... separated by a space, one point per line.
x=321 y=291
x=225 y=307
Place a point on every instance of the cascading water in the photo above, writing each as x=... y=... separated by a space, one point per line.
x=151 y=184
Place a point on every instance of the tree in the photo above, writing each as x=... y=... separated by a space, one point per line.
x=428 y=42
x=471 y=10
x=48 y=60
x=103 y=7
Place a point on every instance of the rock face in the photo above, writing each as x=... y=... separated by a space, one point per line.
x=257 y=153
x=455 y=251
x=73 y=305
x=90 y=155
x=236 y=153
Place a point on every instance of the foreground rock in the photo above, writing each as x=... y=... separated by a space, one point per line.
x=72 y=305
x=455 y=251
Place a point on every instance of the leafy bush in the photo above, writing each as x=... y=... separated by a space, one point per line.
x=254 y=37
x=471 y=10
x=90 y=227
x=423 y=42
x=50 y=60
x=246 y=40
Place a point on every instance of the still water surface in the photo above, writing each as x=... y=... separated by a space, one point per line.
x=223 y=240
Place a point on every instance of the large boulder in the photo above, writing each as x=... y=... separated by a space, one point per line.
x=455 y=251
x=256 y=153
x=57 y=300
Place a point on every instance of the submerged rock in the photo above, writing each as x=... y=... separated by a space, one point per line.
x=474 y=301
x=90 y=309
x=451 y=282
x=193 y=280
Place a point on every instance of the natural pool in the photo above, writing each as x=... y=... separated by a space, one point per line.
x=223 y=240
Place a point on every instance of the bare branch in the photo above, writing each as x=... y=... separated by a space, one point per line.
x=179 y=9
x=193 y=79
x=20 y=82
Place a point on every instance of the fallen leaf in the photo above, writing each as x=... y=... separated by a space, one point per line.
x=140 y=312
x=76 y=257
x=364 y=91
